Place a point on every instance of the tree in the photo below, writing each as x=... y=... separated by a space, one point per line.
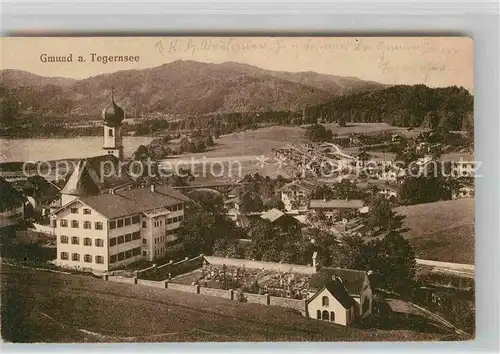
x=317 y=132
x=250 y=203
x=209 y=201
x=204 y=232
x=141 y=154
x=393 y=260
x=327 y=246
x=381 y=217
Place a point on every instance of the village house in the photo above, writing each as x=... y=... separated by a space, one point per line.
x=40 y=193
x=341 y=296
x=12 y=202
x=337 y=208
x=109 y=231
x=281 y=220
x=296 y=195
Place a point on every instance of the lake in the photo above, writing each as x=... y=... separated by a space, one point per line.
x=65 y=148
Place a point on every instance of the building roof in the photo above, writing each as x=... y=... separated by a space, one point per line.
x=96 y=175
x=9 y=196
x=171 y=192
x=134 y=201
x=113 y=114
x=272 y=215
x=336 y=204
x=38 y=188
x=300 y=184
x=337 y=289
x=352 y=279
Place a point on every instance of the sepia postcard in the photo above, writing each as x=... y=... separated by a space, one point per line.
x=225 y=189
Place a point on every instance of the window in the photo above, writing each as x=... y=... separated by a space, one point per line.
x=110 y=132
x=86 y=211
x=128 y=254
x=87 y=241
x=324 y=301
x=136 y=235
x=87 y=225
x=119 y=223
x=99 y=259
x=121 y=256
x=121 y=239
x=112 y=258
x=144 y=241
x=155 y=240
x=64 y=256
x=75 y=240
x=128 y=221
x=169 y=221
x=180 y=217
x=75 y=257
x=325 y=316
x=179 y=207
x=74 y=224
x=98 y=225
x=136 y=219
x=112 y=241
x=144 y=253
x=63 y=223
x=99 y=242
x=144 y=224
x=87 y=258
x=64 y=239
x=332 y=316
x=112 y=224
x=136 y=251
x=128 y=237
x=74 y=210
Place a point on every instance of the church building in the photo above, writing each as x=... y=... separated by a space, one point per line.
x=103 y=222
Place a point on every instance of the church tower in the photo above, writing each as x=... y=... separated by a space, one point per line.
x=113 y=116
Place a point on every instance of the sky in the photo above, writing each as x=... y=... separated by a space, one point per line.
x=434 y=61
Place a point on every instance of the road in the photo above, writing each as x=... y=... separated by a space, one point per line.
x=40 y=306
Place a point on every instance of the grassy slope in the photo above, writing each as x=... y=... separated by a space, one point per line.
x=442 y=231
x=116 y=312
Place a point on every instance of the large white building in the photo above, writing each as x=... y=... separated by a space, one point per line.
x=109 y=231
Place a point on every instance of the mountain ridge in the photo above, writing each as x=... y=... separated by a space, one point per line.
x=180 y=87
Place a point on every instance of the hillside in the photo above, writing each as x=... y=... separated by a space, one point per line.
x=401 y=105
x=76 y=308
x=185 y=87
x=442 y=231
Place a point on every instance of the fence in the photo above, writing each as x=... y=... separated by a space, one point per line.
x=298 y=305
x=122 y=279
x=278 y=267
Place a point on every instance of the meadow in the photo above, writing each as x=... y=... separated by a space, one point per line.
x=442 y=231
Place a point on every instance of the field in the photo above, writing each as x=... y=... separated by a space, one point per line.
x=442 y=231
x=49 y=307
x=245 y=147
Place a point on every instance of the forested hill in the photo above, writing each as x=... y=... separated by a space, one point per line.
x=407 y=106
x=180 y=87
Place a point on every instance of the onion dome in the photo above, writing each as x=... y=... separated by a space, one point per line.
x=113 y=114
